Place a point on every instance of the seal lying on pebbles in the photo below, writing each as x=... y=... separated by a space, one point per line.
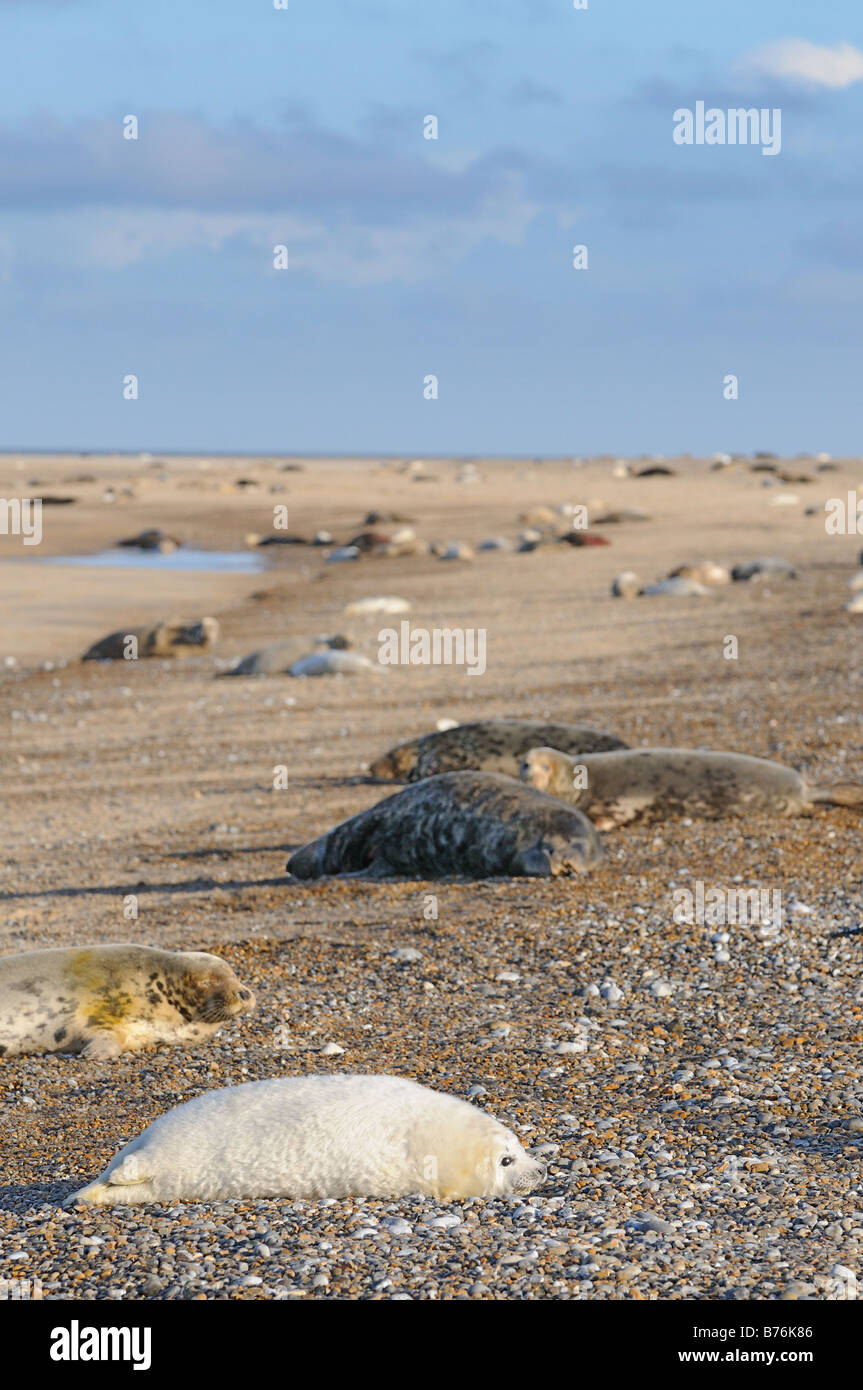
x=104 y=1000
x=468 y=824
x=334 y=663
x=318 y=1136
x=176 y=637
x=278 y=658
x=661 y=783
x=490 y=745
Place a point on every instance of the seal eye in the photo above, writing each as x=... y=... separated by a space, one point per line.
x=506 y=1161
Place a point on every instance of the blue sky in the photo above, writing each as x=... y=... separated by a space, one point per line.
x=409 y=256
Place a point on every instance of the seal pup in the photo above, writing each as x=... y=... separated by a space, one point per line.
x=489 y=745
x=309 y=1137
x=465 y=824
x=104 y=1000
x=662 y=783
x=173 y=638
x=383 y=603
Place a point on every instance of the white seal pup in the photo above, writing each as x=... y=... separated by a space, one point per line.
x=104 y=1000
x=661 y=783
x=318 y=1136
x=383 y=603
x=465 y=824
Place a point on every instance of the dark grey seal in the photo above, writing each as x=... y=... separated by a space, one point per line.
x=464 y=824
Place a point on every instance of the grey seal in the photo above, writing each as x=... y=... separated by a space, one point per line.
x=465 y=824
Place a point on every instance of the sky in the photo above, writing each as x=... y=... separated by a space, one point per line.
x=410 y=258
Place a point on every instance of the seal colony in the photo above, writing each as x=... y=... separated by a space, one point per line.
x=489 y=745
x=466 y=824
x=661 y=783
x=104 y=1000
x=318 y=1137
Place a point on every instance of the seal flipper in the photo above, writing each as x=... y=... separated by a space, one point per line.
x=129 y=1172
x=535 y=862
x=102 y=1045
x=840 y=794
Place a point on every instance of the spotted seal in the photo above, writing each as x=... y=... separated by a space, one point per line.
x=662 y=783
x=465 y=824
x=104 y=1000
x=490 y=745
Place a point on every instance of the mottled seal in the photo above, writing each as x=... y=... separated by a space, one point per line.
x=314 y=1137
x=175 y=637
x=661 y=783
x=466 y=824
x=104 y=1000
x=489 y=745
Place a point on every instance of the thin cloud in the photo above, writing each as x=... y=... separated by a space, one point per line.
x=799 y=60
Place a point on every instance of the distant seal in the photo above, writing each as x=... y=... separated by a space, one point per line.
x=705 y=572
x=173 y=638
x=662 y=783
x=627 y=585
x=104 y=1000
x=334 y=663
x=383 y=603
x=153 y=539
x=768 y=565
x=309 y=1137
x=676 y=587
x=465 y=824
x=279 y=657
x=489 y=745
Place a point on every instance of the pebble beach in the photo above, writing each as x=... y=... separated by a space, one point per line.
x=696 y=1091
